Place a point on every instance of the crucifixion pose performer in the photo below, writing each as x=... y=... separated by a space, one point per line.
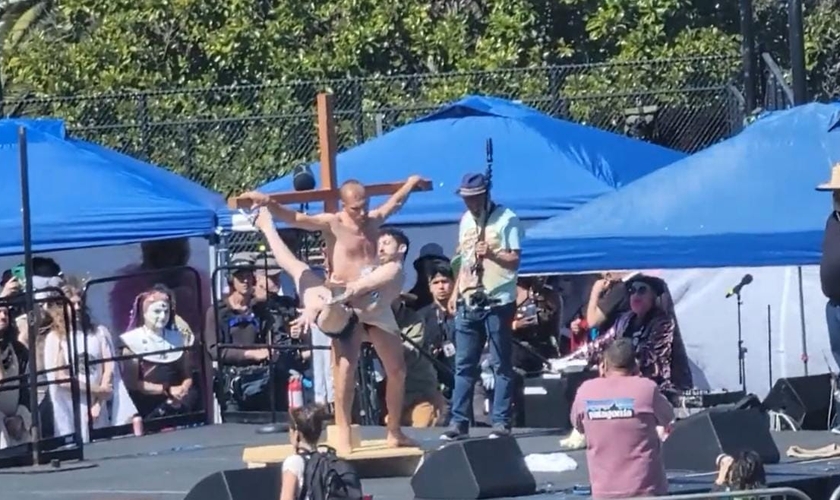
x=355 y=302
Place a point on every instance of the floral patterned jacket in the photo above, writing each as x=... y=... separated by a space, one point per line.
x=660 y=352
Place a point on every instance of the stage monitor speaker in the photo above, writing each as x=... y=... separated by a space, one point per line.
x=485 y=468
x=240 y=484
x=806 y=400
x=547 y=400
x=696 y=442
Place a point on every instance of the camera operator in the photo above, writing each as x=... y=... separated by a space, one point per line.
x=243 y=375
x=483 y=304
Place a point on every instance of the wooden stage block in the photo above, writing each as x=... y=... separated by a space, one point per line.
x=371 y=458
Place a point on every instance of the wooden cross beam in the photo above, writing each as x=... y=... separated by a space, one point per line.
x=328 y=190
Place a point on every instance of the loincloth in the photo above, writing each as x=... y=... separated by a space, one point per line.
x=379 y=317
x=371 y=312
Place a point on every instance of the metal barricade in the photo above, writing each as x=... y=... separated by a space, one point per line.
x=763 y=494
x=182 y=420
x=56 y=447
x=274 y=349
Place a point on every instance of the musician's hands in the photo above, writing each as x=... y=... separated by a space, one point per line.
x=452 y=304
x=481 y=250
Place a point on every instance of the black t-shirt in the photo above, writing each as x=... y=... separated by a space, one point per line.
x=237 y=327
x=830 y=260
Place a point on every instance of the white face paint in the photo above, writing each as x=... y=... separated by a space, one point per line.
x=157 y=315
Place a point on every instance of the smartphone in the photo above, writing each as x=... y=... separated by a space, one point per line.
x=19 y=273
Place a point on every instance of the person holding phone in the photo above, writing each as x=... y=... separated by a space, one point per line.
x=538 y=309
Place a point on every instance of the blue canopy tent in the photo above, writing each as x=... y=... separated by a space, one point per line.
x=542 y=165
x=748 y=201
x=83 y=195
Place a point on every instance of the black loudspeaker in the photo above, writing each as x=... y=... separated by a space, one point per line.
x=806 y=400
x=240 y=484
x=547 y=401
x=485 y=468
x=696 y=442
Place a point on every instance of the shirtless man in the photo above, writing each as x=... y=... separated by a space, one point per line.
x=351 y=236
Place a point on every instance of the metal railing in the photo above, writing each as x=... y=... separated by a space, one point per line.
x=195 y=350
x=55 y=447
x=765 y=493
x=224 y=343
x=234 y=138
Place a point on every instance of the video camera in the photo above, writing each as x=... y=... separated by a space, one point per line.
x=479 y=300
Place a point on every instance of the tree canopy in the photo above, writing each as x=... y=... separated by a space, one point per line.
x=274 y=55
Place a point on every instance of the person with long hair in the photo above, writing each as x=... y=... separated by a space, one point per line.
x=743 y=472
x=87 y=347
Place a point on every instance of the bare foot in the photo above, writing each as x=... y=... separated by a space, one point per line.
x=396 y=439
x=342 y=444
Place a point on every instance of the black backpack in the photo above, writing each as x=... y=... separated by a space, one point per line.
x=327 y=477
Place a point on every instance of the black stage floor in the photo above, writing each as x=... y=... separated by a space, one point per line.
x=165 y=466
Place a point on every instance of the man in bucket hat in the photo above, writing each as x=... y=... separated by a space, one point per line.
x=483 y=303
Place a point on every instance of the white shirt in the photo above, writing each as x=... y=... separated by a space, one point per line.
x=295 y=464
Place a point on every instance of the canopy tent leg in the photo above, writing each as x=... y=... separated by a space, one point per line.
x=802 y=321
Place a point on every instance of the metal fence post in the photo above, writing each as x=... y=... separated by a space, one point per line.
x=145 y=129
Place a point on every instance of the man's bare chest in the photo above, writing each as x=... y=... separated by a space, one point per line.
x=354 y=241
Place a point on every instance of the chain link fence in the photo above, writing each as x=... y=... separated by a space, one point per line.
x=234 y=138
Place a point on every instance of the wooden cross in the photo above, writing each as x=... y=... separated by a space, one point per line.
x=328 y=190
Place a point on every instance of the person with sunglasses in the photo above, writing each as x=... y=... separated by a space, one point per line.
x=652 y=329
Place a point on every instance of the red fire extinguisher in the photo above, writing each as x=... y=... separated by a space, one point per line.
x=295 y=391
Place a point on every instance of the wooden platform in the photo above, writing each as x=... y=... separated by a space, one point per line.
x=371 y=458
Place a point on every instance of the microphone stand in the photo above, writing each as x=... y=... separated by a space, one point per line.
x=742 y=351
x=274 y=427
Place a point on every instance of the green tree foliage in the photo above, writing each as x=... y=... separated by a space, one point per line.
x=273 y=56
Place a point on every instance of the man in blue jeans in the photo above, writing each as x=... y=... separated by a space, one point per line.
x=484 y=304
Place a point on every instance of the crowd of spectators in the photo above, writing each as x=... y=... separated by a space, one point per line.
x=155 y=368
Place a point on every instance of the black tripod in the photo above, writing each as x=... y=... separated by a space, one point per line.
x=742 y=351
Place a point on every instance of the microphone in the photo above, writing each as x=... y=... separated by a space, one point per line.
x=746 y=280
x=302 y=179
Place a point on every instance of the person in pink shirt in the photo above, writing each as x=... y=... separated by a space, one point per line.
x=622 y=416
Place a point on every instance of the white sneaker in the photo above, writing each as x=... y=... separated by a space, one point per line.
x=574 y=441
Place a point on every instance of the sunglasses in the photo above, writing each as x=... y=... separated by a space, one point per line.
x=638 y=289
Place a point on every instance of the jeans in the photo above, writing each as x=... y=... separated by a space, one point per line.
x=472 y=330
x=832 y=319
